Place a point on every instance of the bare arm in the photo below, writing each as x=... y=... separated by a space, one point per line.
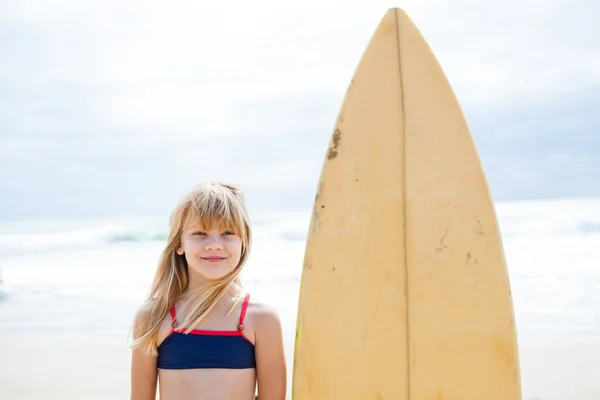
x=270 y=357
x=144 y=371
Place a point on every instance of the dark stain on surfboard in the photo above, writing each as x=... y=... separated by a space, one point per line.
x=332 y=152
x=479 y=230
x=442 y=244
x=468 y=257
x=315 y=218
x=350 y=86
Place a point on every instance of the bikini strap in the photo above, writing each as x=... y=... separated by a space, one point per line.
x=243 y=314
x=174 y=322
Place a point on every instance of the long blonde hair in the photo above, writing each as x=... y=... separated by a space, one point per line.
x=207 y=205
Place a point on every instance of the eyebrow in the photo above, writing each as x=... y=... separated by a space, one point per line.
x=198 y=229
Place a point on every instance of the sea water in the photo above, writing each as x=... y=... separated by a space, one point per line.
x=88 y=277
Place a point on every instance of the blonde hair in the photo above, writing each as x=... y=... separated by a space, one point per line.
x=208 y=205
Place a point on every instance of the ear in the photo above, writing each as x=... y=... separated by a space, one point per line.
x=179 y=251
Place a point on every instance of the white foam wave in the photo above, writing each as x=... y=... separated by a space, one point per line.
x=17 y=243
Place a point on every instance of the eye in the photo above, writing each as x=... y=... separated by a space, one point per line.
x=228 y=233
x=199 y=233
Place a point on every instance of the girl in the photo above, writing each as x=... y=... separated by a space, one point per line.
x=198 y=335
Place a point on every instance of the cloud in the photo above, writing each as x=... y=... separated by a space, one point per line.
x=548 y=149
x=114 y=107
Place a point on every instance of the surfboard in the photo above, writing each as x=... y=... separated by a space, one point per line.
x=404 y=292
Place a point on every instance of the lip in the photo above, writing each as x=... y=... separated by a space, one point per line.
x=213 y=259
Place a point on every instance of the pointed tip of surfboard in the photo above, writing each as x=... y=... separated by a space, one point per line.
x=399 y=15
x=391 y=12
x=398 y=10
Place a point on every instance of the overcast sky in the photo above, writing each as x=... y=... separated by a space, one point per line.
x=114 y=108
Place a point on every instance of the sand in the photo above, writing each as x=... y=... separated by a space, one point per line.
x=98 y=368
x=61 y=368
x=560 y=369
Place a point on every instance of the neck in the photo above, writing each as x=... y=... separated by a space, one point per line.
x=195 y=281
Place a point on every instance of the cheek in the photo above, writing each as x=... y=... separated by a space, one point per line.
x=190 y=244
x=236 y=249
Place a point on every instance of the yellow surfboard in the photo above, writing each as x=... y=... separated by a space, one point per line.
x=404 y=293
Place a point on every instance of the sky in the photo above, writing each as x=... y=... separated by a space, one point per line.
x=115 y=108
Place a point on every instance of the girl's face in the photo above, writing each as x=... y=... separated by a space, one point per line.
x=210 y=254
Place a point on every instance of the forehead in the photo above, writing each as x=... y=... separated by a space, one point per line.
x=209 y=224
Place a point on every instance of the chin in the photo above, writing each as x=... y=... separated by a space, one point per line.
x=213 y=277
x=211 y=274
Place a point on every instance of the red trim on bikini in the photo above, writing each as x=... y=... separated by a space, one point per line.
x=238 y=332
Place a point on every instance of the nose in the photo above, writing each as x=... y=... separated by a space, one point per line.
x=214 y=243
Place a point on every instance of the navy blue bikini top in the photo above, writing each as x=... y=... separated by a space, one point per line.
x=206 y=348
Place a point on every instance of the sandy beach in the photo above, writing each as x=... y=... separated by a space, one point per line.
x=560 y=369
x=64 y=368
x=97 y=368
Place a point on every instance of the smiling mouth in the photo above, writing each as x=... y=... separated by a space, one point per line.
x=213 y=259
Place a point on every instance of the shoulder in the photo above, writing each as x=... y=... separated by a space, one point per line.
x=261 y=309
x=264 y=318
x=143 y=315
x=144 y=311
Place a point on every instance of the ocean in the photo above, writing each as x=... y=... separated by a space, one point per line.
x=88 y=276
